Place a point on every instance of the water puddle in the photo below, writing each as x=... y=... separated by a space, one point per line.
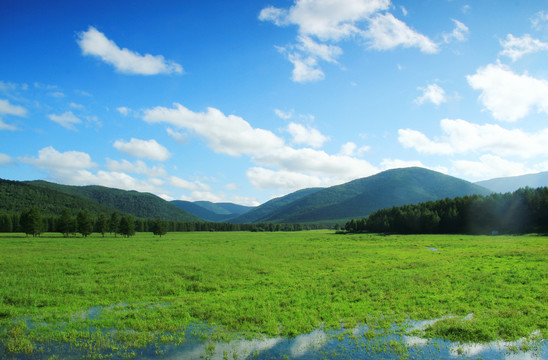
x=360 y=342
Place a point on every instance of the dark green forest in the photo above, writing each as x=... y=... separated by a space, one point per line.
x=523 y=211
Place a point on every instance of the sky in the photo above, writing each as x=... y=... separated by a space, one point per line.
x=242 y=101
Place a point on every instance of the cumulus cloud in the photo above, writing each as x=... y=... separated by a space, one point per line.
x=507 y=95
x=316 y=162
x=283 y=114
x=230 y=134
x=95 y=43
x=462 y=137
x=183 y=184
x=262 y=178
x=66 y=120
x=234 y=136
x=6 y=108
x=459 y=33
x=540 y=20
x=488 y=167
x=306 y=135
x=351 y=149
x=137 y=167
x=386 y=32
x=112 y=179
x=321 y=23
x=5 y=159
x=125 y=111
x=4 y=126
x=517 y=47
x=49 y=158
x=148 y=149
x=432 y=93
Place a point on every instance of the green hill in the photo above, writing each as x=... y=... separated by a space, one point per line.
x=361 y=197
x=143 y=205
x=210 y=211
x=16 y=196
x=264 y=211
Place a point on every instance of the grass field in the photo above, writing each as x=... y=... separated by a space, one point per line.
x=75 y=291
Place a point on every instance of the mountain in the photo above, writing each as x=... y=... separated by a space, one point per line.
x=264 y=211
x=143 y=205
x=16 y=196
x=513 y=183
x=361 y=197
x=210 y=211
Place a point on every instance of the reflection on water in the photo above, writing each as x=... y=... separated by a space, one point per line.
x=360 y=342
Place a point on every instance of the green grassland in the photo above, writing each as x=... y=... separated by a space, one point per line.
x=150 y=289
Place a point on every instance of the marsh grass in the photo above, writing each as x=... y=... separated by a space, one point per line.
x=114 y=295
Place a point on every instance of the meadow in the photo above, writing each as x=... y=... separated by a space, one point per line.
x=109 y=297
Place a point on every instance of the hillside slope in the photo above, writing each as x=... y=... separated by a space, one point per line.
x=264 y=211
x=16 y=196
x=143 y=205
x=219 y=212
x=513 y=183
x=361 y=197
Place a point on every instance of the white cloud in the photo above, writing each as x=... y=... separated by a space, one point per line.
x=432 y=93
x=516 y=47
x=262 y=178
x=461 y=137
x=459 y=33
x=305 y=68
x=5 y=159
x=8 y=109
x=93 y=42
x=177 y=136
x=183 y=184
x=49 y=158
x=306 y=135
x=316 y=162
x=113 y=179
x=231 y=186
x=351 y=149
x=540 y=20
x=148 y=149
x=325 y=52
x=4 y=126
x=386 y=32
x=507 y=95
x=125 y=111
x=66 y=120
x=77 y=106
x=488 y=167
x=204 y=196
x=325 y=19
x=283 y=114
x=230 y=134
x=333 y=21
x=137 y=167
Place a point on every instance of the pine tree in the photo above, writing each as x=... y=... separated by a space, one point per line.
x=101 y=224
x=83 y=223
x=31 y=221
x=127 y=226
x=114 y=223
x=159 y=227
x=64 y=223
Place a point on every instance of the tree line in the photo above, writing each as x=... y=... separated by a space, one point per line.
x=523 y=211
x=31 y=222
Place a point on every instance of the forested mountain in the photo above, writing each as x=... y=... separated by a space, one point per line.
x=523 y=211
x=17 y=196
x=361 y=197
x=513 y=183
x=142 y=205
x=263 y=212
x=212 y=211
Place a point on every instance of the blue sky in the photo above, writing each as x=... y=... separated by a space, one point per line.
x=243 y=101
